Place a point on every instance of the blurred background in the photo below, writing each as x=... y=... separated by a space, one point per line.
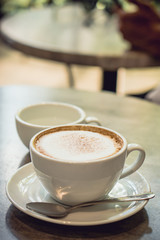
x=18 y=68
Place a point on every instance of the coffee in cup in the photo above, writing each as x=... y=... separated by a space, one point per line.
x=78 y=144
x=81 y=163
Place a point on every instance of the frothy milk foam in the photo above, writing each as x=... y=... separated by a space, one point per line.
x=77 y=145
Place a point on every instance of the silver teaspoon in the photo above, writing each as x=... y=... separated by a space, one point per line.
x=59 y=211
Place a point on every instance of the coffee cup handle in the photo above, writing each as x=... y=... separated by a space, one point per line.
x=137 y=163
x=92 y=120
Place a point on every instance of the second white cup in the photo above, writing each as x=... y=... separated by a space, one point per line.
x=34 y=118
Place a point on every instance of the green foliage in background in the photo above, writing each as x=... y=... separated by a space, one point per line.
x=7 y=6
x=10 y=5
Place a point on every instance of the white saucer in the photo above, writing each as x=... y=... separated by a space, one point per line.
x=24 y=187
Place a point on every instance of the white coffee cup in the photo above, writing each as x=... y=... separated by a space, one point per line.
x=81 y=170
x=34 y=118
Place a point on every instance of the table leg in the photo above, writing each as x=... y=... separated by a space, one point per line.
x=109 y=81
x=70 y=75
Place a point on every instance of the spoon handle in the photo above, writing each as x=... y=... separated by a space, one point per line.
x=141 y=197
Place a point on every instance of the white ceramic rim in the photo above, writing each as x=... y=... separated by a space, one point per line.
x=78 y=109
x=124 y=147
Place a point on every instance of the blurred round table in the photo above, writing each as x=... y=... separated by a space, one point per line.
x=69 y=35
